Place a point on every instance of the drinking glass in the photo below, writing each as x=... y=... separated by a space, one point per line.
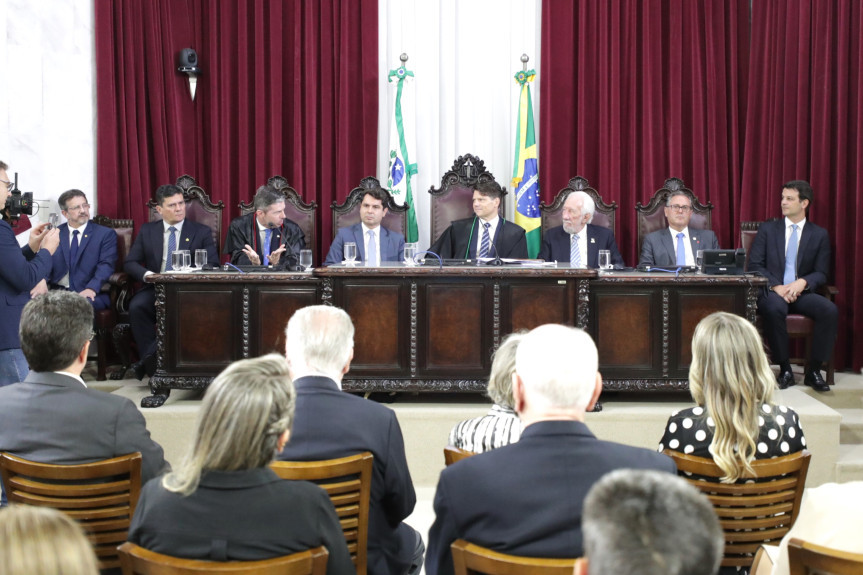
x=177 y=261
x=410 y=254
x=187 y=260
x=699 y=261
x=306 y=259
x=200 y=259
x=350 y=253
x=605 y=259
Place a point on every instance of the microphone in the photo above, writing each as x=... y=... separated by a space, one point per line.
x=496 y=261
x=290 y=254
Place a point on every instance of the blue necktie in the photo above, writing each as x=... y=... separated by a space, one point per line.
x=681 y=250
x=172 y=247
x=574 y=252
x=268 y=235
x=791 y=257
x=486 y=240
x=372 y=250
x=73 y=256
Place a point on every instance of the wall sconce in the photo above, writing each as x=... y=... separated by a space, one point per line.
x=187 y=63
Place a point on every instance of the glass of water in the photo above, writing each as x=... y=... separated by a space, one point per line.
x=53 y=220
x=350 y=253
x=177 y=261
x=605 y=259
x=306 y=259
x=410 y=254
x=699 y=261
x=187 y=260
x=200 y=259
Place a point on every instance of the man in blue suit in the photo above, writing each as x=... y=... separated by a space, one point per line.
x=151 y=254
x=676 y=245
x=577 y=236
x=20 y=271
x=794 y=255
x=88 y=252
x=375 y=243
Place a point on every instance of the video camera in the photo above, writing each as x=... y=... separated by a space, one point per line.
x=18 y=202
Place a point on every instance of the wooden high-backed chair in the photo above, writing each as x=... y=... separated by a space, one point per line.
x=348 y=482
x=810 y=559
x=136 y=560
x=470 y=559
x=101 y=496
x=651 y=217
x=199 y=209
x=348 y=212
x=453 y=454
x=750 y=513
x=301 y=213
x=551 y=214
x=799 y=326
x=454 y=199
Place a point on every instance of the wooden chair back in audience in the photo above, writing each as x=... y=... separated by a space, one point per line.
x=348 y=482
x=750 y=513
x=296 y=210
x=551 y=215
x=651 y=217
x=348 y=213
x=101 y=496
x=136 y=560
x=199 y=209
x=470 y=559
x=810 y=559
x=453 y=454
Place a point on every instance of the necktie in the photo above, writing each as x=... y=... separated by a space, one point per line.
x=268 y=235
x=372 y=250
x=486 y=240
x=73 y=256
x=791 y=257
x=172 y=247
x=574 y=252
x=681 y=250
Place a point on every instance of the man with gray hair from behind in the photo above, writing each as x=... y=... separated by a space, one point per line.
x=329 y=424
x=526 y=498
x=647 y=523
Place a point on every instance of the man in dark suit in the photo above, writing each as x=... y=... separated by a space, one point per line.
x=20 y=271
x=794 y=255
x=375 y=243
x=676 y=245
x=151 y=253
x=88 y=252
x=486 y=235
x=526 y=498
x=264 y=236
x=330 y=423
x=51 y=416
x=578 y=237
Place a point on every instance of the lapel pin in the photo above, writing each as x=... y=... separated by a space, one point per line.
x=187 y=239
x=593 y=240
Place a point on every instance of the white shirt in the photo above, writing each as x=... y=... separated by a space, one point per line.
x=377 y=233
x=687 y=245
x=788 y=231
x=582 y=246
x=480 y=230
x=64 y=281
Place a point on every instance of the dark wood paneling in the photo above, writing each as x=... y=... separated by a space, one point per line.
x=693 y=305
x=455 y=319
x=380 y=321
x=626 y=331
x=538 y=302
x=270 y=308
x=206 y=325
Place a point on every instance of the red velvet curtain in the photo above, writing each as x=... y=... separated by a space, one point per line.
x=636 y=91
x=289 y=87
x=805 y=121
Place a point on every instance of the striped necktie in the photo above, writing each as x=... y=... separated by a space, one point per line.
x=574 y=253
x=486 y=240
x=172 y=247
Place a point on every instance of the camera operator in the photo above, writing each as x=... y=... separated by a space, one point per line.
x=20 y=270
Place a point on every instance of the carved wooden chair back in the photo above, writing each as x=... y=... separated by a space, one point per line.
x=348 y=212
x=551 y=215
x=199 y=208
x=651 y=217
x=301 y=213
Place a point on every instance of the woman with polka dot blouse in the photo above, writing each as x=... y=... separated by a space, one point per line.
x=735 y=420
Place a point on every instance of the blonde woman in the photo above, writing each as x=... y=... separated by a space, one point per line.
x=43 y=541
x=736 y=419
x=500 y=426
x=224 y=502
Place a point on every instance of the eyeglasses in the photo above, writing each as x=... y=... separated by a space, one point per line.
x=9 y=185
x=79 y=208
x=679 y=208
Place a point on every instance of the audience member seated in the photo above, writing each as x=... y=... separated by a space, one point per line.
x=151 y=253
x=332 y=424
x=225 y=503
x=526 y=498
x=676 y=245
x=736 y=419
x=52 y=417
x=43 y=541
x=263 y=236
x=578 y=241
x=375 y=243
x=500 y=426
x=486 y=235
x=647 y=523
x=830 y=515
